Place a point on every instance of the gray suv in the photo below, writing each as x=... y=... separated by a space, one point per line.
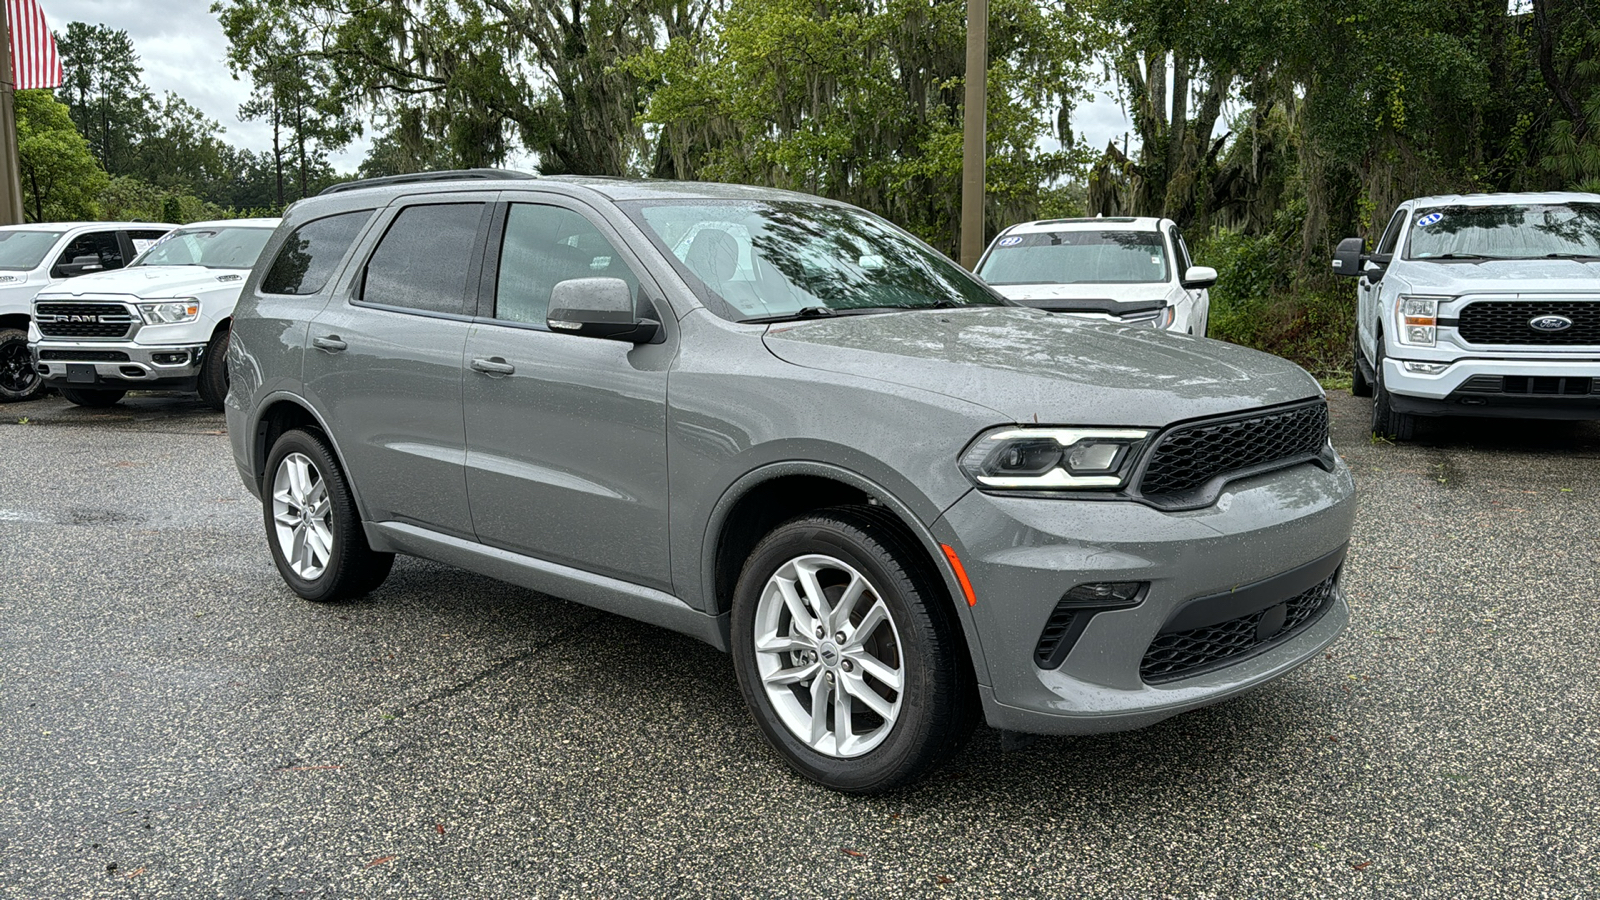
x=787 y=428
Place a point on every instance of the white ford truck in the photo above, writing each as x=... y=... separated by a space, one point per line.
x=161 y=323
x=1479 y=305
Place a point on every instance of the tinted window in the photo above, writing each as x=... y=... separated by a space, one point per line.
x=1181 y=251
x=423 y=259
x=1391 y=235
x=214 y=247
x=99 y=248
x=309 y=255
x=546 y=245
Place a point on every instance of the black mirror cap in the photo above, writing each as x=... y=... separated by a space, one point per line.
x=601 y=308
x=1347 y=259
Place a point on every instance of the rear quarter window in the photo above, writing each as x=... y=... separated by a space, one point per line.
x=308 y=258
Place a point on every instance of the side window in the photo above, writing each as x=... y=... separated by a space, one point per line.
x=544 y=246
x=1391 y=235
x=97 y=251
x=309 y=256
x=144 y=239
x=423 y=260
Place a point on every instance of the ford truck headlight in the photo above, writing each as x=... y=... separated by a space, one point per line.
x=1054 y=459
x=170 y=312
x=1418 y=319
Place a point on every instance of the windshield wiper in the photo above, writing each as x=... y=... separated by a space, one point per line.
x=1464 y=256
x=1587 y=257
x=805 y=312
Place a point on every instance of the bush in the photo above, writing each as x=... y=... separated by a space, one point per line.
x=1258 y=303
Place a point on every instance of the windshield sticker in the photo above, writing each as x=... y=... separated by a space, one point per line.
x=1430 y=219
x=1010 y=241
x=140 y=245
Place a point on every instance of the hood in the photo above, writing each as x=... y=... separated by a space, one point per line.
x=152 y=282
x=1531 y=276
x=1032 y=366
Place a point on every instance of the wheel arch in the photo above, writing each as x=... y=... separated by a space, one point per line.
x=15 y=320
x=767 y=497
x=285 y=412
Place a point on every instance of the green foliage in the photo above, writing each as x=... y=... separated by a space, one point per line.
x=60 y=178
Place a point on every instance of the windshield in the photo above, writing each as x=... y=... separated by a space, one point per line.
x=22 y=250
x=764 y=259
x=1077 y=257
x=1527 y=231
x=214 y=248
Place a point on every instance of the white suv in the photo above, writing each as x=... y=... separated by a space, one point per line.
x=160 y=324
x=1133 y=271
x=37 y=256
x=1480 y=305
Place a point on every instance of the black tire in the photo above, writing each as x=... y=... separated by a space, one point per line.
x=1386 y=423
x=936 y=704
x=92 y=398
x=213 y=383
x=19 y=380
x=1359 y=385
x=351 y=567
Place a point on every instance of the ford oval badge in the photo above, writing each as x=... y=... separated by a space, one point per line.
x=1549 y=323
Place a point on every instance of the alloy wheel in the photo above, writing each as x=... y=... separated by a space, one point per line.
x=302 y=515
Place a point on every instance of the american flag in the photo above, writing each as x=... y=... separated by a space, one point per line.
x=33 y=47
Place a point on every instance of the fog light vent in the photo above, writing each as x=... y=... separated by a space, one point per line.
x=1071 y=616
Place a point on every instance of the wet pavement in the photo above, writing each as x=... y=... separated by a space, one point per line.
x=177 y=724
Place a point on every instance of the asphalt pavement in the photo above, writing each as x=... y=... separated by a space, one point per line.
x=174 y=723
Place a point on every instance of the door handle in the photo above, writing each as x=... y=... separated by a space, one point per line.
x=494 y=366
x=330 y=343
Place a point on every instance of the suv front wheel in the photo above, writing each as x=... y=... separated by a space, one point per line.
x=312 y=524
x=847 y=652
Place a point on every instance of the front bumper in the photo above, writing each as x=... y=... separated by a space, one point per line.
x=1022 y=555
x=121 y=363
x=1533 y=388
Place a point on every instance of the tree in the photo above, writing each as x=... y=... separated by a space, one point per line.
x=104 y=92
x=60 y=177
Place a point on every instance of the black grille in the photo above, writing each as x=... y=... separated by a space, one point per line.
x=82 y=356
x=1189 y=456
x=1529 y=385
x=1185 y=653
x=94 y=320
x=1504 y=322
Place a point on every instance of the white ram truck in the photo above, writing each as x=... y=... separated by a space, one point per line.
x=161 y=323
x=1479 y=305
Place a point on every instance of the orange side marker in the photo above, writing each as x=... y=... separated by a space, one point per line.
x=961 y=573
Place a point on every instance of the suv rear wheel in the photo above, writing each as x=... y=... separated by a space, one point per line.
x=312 y=524
x=19 y=381
x=213 y=382
x=847 y=653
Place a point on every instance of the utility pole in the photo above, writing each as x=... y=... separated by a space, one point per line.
x=10 y=165
x=974 y=145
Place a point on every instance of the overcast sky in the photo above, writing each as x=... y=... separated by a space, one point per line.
x=183 y=50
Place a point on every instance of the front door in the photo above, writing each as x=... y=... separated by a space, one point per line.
x=566 y=435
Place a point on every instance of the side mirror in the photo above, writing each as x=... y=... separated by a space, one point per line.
x=80 y=265
x=1348 y=258
x=1198 y=277
x=599 y=307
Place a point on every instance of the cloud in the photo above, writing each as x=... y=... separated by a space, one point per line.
x=183 y=50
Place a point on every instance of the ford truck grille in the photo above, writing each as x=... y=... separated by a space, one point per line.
x=83 y=320
x=1509 y=323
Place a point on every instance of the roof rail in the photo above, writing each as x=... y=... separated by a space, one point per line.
x=425 y=177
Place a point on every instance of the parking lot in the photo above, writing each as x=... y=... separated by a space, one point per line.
x=177 y=724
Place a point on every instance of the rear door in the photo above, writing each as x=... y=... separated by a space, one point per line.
x=566 y=435
x=383 y=362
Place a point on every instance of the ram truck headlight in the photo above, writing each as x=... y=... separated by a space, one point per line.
x=1418 y=319
x=1054 y=459
x=170 y=312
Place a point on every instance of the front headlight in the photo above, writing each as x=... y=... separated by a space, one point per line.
x=1418 y=319
x=1054 y=459
x=170 y=312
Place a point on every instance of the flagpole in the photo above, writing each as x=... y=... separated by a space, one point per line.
x=10 y=166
